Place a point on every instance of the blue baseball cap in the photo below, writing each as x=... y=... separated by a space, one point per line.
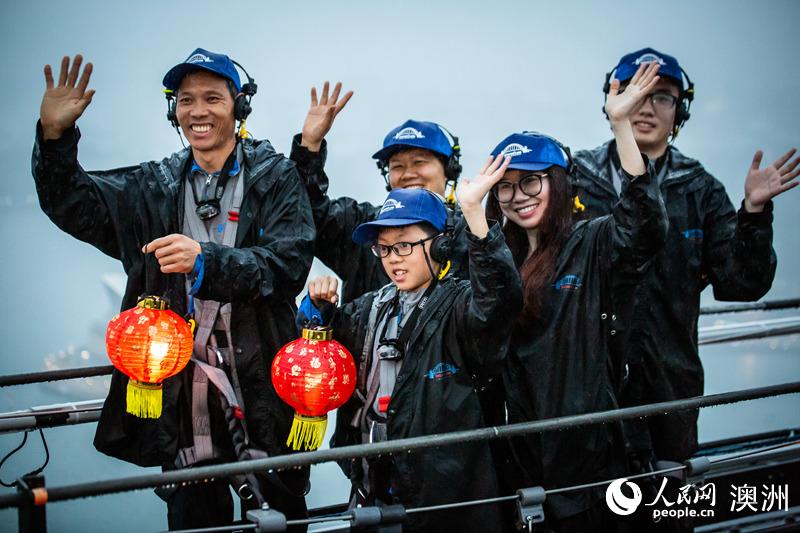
x=531 y=151
x=629 y=64
x=219 y=64
x=404 y=207
x=415 y=134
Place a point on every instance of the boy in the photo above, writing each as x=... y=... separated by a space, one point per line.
x=419 y=365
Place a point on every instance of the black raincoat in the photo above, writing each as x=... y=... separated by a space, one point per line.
x=336 y=219
x=118 y=211
x=568 y=362
x=459 y=341
x=708 y=243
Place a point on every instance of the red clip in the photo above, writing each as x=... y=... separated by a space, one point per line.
x=233 y=216
x=238 y=413
x=383 y=403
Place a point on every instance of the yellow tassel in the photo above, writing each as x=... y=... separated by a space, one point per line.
x=307 y=432
x=143 y=399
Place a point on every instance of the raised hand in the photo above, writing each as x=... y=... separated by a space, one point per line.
x=471 y=192
x=621 y=105
x=323 y=289
x=64 y=103
x=321 y=115
x=762 y=185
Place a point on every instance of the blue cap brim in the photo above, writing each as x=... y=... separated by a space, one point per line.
x=172 y=79
x=368 y=232
x=530 y=166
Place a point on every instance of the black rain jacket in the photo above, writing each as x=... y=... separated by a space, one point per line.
x=336 y=219
x=459 y=342
x=708 y=242
x=118 y=211
x=569 y=362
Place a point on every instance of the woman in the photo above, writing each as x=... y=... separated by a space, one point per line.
x=563 y=359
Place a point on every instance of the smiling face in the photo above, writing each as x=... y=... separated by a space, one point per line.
x=410 y=272
x=416 y=168
x=526 y=211
x=653 y=125
x=205 y=112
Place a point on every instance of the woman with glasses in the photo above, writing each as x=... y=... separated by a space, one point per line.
x=562 y=356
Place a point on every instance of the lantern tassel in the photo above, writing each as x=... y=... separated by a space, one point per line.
x=143 y=399
x=307 y=432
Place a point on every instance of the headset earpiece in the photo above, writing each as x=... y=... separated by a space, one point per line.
x=442 y=245
x=172 y=115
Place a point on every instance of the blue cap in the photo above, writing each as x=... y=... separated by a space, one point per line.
x=415 y=134
x=531 y=151
x=404 y=207
x=629 y=64
x=219 y=64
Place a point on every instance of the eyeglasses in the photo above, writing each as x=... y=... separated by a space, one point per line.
x=529 y=184
x=662 y=101
x=400 y=249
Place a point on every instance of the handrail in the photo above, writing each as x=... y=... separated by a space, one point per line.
x=124 y=484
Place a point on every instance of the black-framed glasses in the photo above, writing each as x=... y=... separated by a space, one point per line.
x=400 y=249
x=529 y=184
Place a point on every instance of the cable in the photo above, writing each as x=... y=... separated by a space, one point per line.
x=34 y=472
x=771 y=305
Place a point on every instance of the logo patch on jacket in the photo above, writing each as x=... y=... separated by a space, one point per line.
x=570 y=282
x=441 y=371
x=695 y=235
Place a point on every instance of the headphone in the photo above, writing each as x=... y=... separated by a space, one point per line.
x=441 y=248
x=685 y=99
x=241 y=103
x=452 y=168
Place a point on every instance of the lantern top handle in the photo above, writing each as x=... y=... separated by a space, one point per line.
x=317 y=333
x=152 y=302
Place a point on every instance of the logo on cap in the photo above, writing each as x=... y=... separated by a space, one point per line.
x=649 y=58
x=409 y=133
x=514 y=149
x=199 y=58
x=390 y=205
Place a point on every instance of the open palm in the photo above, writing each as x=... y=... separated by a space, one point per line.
x=471 y=192
x=64 y=103
x=763 y=184
x=621 y=105
x=321 y=114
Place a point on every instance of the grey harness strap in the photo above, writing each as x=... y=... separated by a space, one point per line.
x=211 y=316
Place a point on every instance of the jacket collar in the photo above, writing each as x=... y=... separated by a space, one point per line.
x=594 y=164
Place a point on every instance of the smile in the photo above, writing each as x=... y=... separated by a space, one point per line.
x=200 y=128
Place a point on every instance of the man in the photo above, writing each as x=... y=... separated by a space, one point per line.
x=414 y=155
x=708 y=243
x=227 y=216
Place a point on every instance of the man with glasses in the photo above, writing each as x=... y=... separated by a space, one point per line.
x=709 y=242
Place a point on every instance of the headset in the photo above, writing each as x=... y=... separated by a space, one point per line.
x=241 y=104
x=685 y=99
x=452 y=167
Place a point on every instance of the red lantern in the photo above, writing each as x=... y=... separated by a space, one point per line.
x=148 y=343
x=314 y=374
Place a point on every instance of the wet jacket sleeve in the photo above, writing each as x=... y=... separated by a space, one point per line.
x=279 y=264
x=485 y=313
x=335 y=219
x=638 y=224
x=738 y=248
x=81 y=203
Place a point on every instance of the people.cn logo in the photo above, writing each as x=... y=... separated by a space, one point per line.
x=199 y=58
x=390 y=205
x=618 y=502
x=649 y=58
x=514 y=149
x=409 y=133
